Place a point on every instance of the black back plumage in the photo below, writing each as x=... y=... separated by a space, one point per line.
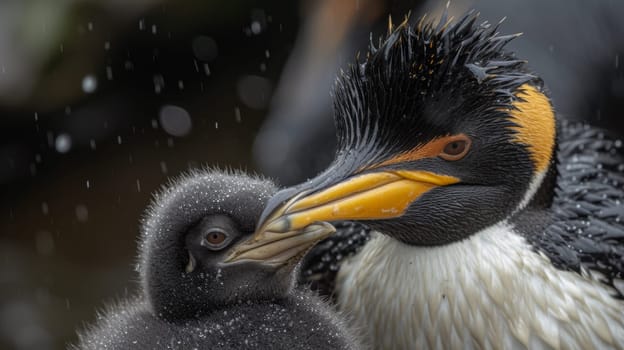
x=209 y=307
x=584 y=229
x=321 y=264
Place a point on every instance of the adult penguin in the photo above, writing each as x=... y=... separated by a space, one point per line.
x=448 y=149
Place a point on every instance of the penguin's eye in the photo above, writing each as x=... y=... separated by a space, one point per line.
x=456 y=148
x=215 y=239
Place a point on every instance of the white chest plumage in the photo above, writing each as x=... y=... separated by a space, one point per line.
x=490 y=291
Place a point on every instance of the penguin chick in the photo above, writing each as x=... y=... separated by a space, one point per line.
x=191 y=298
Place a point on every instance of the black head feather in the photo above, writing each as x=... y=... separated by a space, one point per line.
x=426 y=77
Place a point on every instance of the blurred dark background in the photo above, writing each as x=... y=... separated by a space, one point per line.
x=101 y=102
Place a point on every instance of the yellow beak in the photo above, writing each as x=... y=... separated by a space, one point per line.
x=370 y=196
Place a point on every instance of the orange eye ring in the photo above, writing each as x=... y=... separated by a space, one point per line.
x=456 y=147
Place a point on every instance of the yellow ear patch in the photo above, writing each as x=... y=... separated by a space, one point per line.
x=535 y=128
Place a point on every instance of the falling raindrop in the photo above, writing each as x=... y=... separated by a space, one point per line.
x=256 y=27
x=159 y=83
x=175 y=120
x=63 y=143
x=237 y=115
x=258 y=21
x=89 y=84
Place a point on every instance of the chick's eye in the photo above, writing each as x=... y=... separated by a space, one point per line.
x=214 y=239
x=456 y=148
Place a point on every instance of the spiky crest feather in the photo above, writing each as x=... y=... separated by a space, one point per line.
x=430 y=61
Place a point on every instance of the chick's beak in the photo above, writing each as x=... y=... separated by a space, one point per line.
x=288 y=225
x=280 y=248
